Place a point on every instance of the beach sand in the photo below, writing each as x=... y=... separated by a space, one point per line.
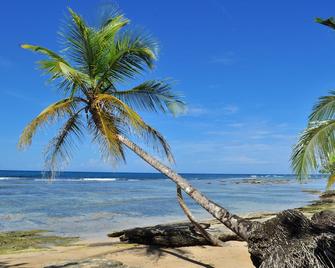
x=233 y=254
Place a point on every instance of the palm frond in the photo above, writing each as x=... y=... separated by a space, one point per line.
x=79 y=43
x=105 y=130
x=48 y=115
x=315 y=144
x=58 y=68
x=324 y=109
x=330 y=22
x=130 y=120
x=118 y=108
x=51 y=54
x=111 y=26
x=157 y=141
x=58 y=152
x=152 y=96
x=129 y=56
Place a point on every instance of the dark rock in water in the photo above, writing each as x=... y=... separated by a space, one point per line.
x=90 y=263
x=168 y=235
x=262 y=181
x=311 y=191
x=292 y=240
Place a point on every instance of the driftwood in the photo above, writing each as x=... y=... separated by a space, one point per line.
x=168 y=235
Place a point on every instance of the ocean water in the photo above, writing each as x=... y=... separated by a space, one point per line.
x=90 y=204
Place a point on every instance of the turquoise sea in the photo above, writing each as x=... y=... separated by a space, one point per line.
x=91 y=204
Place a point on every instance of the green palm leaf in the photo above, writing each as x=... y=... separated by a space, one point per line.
x=130 y=55
x=330 y=22
x=58 y=68
x=53 y=55
x=154 y=95
x=315 y=144
x=324 y=109
x=80 y=45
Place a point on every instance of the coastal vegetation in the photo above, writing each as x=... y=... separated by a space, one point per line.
x=89 y=70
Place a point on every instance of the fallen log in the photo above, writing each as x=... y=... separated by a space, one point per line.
x=168 y=235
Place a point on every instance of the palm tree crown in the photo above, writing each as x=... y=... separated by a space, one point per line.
x=88 y=70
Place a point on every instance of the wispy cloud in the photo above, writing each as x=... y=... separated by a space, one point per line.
x=211 y=111
x=228 y=58
x=5 y=62
x=230 y=109
x=22 y=97
x=245 y=146
x=195 y=111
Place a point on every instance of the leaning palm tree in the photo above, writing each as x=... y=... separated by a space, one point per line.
x=88 y=71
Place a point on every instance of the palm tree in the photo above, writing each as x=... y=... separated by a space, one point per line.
x=88 y=70
x=316 y=145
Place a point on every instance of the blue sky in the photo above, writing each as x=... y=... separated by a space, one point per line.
x=250 y=72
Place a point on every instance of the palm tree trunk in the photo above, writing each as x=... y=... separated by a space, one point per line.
x=210 y=238
x=235 y=223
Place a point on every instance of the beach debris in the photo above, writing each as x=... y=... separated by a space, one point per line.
x=171 y=235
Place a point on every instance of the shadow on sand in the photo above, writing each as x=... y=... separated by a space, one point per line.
x=7 y=265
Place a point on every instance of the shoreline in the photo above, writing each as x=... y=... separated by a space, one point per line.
x=110 y=250
x=106 y=249
x=234 y=255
